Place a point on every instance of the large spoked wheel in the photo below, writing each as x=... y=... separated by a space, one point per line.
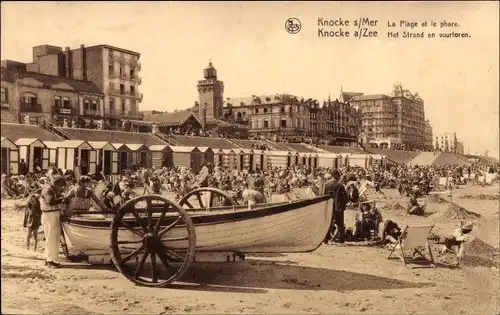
x=207 y=198
x=152 y=241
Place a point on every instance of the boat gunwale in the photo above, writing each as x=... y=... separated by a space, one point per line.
x=210 y=218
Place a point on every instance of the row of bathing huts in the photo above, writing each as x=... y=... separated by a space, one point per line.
x=113 y=158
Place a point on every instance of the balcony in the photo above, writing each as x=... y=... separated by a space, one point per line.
x=31 y=107
x=62 y=110
x=122 y=114
x=91 y=112
x=5 y=104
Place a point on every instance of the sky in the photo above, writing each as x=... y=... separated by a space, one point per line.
x=458 y=78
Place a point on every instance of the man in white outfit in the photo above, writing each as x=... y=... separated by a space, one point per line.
x=50 y=204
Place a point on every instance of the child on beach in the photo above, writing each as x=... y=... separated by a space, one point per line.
x=32 y=219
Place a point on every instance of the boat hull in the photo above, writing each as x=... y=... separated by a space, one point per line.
x=299 y=226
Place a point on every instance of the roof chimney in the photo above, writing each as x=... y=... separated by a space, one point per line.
x=84 y=62
x=67 y=63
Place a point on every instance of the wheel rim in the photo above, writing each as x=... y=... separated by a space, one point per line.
x=152 y=240
x=206 y=198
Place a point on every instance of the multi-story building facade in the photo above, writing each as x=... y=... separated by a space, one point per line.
x=341 y=121
x=394 y=122
x=279 y=114
x=113 y=70
x=31 y=96
x=448 y=142
x=428 y=136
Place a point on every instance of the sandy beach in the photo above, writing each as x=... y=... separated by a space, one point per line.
x=349 y=278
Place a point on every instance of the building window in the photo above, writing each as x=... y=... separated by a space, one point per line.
x=122 y=71
x=66 y=102
x=86 y=104
x=266 y=123
x=111 y=69
x=123 y=106
x=283 y=123
x=57 y=101
x=132 y=73
x=282 y=109
x=111 y=86
x=132 y=90
x=110 y=53
x=111 y=105
x=290 y=109
x=94 y=105
x=256 y=110
x=122 y=88
x=5 y=97
x=29 y=99
x=265 y=110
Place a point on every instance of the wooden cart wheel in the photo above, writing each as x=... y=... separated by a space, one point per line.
x=217 y=197
x=152 y=230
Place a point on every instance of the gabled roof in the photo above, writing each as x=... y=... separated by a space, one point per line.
x=17 y=131
x=76 y=144
x=159 y=147
x=30 y=141
x=50 y=80
x=102 y=145
x=168 y=119
x=182 y=149
x=7 y=143
x=136 y=146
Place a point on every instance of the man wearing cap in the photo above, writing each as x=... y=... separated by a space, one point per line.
x=81 y=196
x=50 y=204
x=337 y=190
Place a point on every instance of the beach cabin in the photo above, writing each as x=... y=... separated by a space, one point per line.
x=9 y=157
x=188 y=157
x=50 y=150
x=72 y=153
x=161 y=155
x=107 y=157
x=304 y=158
x=123 y=156
x=259 y=157
x=360 y=160
x=228 y=158
x=31 y=150
x=327 y=160
x=278 y=158
x=249 y=161
x=208 y=155
x=313 y=158
x=140 y=155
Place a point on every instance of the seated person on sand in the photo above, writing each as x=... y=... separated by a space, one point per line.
x=80 y=197
x=367 y=220
x=7 y=191
x=391 y=232
x=415 y=208
x=455 y=239
x=155 y=185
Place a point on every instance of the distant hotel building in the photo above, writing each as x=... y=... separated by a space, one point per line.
x=392 y=122
x=113 y=71
x=448 y=142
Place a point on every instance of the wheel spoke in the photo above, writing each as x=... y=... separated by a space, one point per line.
x=171 y=253
x=187 y=203
x=149 y=209
x=154 y=276
x=164 y=259
x=200 y=201
x=141 y=264
x=171 y=226
x=175 y=239
x=128 y=242
x=158 y=223
x=132 y=255
x=138 y=219
x=211 y=200
x=131 y=229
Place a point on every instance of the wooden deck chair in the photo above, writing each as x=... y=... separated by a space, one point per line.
x=416 y=239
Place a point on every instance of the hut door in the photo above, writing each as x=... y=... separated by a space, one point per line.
x=242 y=162
x=45 y=158
x=304 y=160
x=5 y=161
x=144 y=159
x=114 y=162
x=37 y=158
x=250 y=157
x=85 y=161
x=14 y=161
x=262 y=161
x=107 y=162
x=123 y=160
x=92 y=161
x=288 y=161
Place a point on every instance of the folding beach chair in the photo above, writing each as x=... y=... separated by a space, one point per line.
x=416 y=239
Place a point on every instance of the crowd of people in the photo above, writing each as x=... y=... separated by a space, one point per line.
x=57 y=192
